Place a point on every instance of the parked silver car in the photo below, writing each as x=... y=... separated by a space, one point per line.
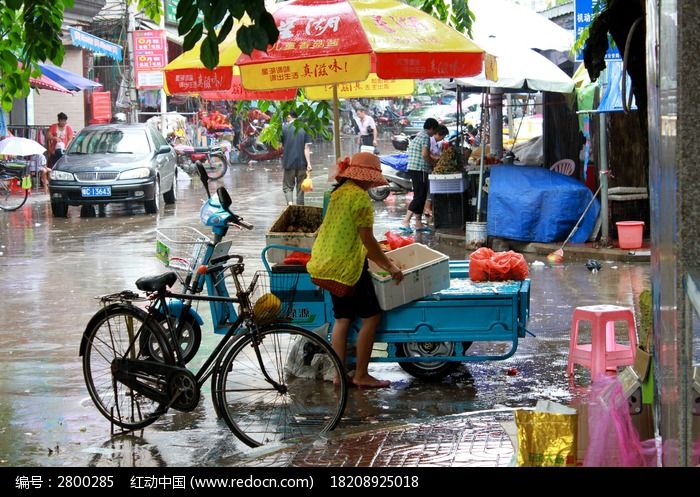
x=114 y=163
x=445 y=114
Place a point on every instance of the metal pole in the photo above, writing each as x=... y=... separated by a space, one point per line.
x=163 y=97
x=496 y=121
x=603 y=150
x=133 y=99
x=484 y=99
x=336 y=123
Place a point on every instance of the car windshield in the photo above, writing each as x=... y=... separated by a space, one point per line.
x=439 y=112
x=110 y=141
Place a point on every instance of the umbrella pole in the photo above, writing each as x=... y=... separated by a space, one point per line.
x=483 y=156
x=336 y=123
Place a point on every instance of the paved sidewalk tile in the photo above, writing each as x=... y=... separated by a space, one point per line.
x=470 y=439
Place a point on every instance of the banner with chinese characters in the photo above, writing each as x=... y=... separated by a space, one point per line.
x=150 y=57
x=372 y=87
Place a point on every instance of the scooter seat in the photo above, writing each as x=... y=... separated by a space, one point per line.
x=201 y=149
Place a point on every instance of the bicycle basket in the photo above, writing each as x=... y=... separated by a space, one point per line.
x=182 y=249
x=272 y=299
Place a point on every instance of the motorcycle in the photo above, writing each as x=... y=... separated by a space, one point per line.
x=394 y=170
x=214 y=159
x=391 y=121
x=251 y=148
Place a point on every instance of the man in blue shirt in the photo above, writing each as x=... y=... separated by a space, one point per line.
x=420 y=164
x=296 y=159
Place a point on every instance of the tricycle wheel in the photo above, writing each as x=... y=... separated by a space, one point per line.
x=432 y=371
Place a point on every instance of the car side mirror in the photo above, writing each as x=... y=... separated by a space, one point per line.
x=164 y=149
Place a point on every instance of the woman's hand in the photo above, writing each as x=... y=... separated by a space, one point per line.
x=396 y=274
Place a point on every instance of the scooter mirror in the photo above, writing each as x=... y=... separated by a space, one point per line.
x=203 y=176
x=224 y=197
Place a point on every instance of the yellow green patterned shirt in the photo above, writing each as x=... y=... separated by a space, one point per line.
x=338 y=253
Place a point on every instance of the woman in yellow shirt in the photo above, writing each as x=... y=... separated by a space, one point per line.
x=339 y=259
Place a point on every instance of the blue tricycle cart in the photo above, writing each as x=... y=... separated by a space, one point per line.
x=427 y=337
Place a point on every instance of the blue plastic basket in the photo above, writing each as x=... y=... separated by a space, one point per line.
x=446 y=183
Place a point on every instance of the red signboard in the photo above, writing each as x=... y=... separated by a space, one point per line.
x=150 y=57
x=101 y=107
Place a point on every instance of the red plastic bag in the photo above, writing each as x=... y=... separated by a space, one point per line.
x=513 y=265
x=298 y=258
x=396 y=241
x=487 y=265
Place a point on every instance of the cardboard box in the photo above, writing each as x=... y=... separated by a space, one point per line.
x=425 y=271
x=295 y=217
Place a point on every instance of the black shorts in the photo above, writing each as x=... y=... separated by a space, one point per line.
x=362 y=304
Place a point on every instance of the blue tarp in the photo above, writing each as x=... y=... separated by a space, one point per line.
x=67 y=79
x=397 y=161
x=534 y=204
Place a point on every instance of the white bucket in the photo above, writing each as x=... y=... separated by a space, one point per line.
x=475 y=235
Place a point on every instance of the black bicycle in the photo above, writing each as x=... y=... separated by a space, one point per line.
x=15 y=183
x=270 y=381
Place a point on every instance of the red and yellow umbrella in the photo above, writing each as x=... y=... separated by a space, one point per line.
x=330 y=42
x=187 y=75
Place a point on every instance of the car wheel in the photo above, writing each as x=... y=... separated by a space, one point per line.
x=151 y=206
x=59 y=208
x=171 y=196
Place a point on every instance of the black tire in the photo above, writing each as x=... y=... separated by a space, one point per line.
x=243 y=156
x=379 y=193
x=111 y=334
x=431 y=371
x=170 y=197
x=11 y=198
x=152 y=206
x=216 y=166
x=189 y=339
x=59 y=208
x=255 y=411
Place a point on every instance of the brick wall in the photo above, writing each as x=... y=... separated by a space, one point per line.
x=49 y=103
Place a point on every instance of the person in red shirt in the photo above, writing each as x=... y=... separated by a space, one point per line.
x=59 y=132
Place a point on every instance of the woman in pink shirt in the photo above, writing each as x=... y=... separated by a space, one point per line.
x=59 y=132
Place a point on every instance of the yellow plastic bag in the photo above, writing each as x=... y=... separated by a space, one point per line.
x=546 y=438
x=307 y=185
x=26 y=182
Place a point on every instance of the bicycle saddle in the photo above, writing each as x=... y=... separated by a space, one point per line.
x=156 y=283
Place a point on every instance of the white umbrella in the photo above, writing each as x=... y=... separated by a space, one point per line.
x=517 y=26
x=519 y=68
x=13 y=145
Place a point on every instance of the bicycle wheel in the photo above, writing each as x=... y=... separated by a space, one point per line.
x=216 y=166
x=306 y=403
x=112 y=334
x=12 y=196
x=189 y=339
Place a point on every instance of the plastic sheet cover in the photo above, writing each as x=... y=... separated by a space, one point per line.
x=534 y=204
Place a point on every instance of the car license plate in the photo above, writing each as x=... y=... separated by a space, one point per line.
x=96 y=191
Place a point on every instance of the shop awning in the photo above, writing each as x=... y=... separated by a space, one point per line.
x=67 y=79
x=95 y=44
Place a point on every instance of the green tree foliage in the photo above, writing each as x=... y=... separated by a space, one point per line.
x=29 y=33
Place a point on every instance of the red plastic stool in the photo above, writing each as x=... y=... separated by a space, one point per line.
x=603 y=352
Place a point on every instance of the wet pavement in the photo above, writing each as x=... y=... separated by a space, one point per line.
x=50 y=270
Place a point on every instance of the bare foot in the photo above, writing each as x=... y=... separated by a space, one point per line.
x=370 y=382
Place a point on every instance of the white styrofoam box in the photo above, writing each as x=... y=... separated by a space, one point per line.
x=425 y=271
x=292 y=216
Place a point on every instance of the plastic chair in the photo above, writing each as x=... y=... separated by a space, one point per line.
x=603 y=352
x=564 y=166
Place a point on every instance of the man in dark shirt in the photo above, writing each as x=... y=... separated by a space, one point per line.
x=296 y=159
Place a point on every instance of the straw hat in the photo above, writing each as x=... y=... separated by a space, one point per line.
x=362 y=167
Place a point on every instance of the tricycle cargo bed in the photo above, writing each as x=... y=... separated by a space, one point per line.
x=450 y=320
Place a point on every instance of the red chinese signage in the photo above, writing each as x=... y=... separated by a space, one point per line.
x=150 y=57
x=101 y=107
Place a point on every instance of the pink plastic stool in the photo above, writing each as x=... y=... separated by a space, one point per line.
x=603 y=352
